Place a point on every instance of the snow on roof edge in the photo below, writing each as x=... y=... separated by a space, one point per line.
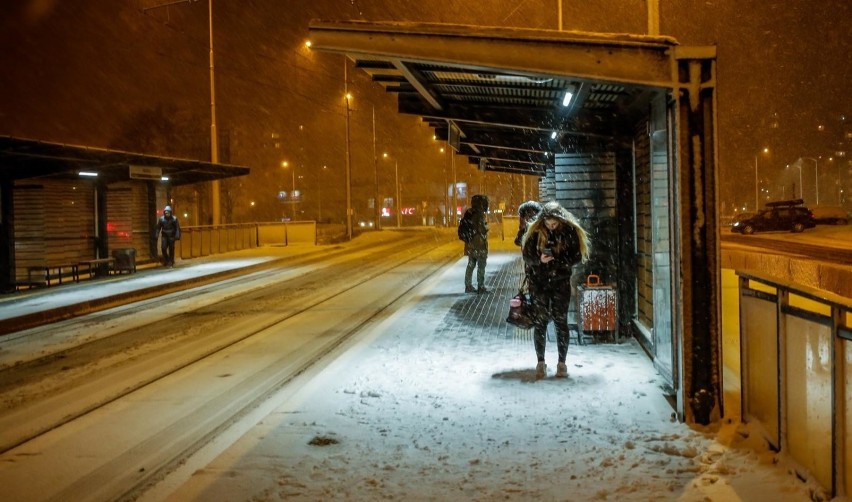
x=450 y=29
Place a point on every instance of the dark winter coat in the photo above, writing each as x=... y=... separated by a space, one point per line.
x=478 y=244
x=169 y=227
x=568 y=243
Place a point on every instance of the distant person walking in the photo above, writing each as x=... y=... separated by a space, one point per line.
x=473 y=230
x=168 y=229
x=553 y=244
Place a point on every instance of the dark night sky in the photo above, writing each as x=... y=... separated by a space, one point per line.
x=106 y=73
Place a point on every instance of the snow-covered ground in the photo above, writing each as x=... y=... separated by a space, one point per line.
x=438 y=402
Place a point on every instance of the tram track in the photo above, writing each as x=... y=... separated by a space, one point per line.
x=174 y=299
x=154 y=456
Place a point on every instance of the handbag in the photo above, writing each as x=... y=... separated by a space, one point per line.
x=520 y=308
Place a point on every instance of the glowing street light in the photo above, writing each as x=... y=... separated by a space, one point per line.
x=286 y=165
x=757 y=182
x=397 y=203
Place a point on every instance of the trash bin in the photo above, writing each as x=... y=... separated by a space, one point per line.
x=597 y=309
x=125 y=260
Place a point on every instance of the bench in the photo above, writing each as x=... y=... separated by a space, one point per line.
x=53 y=272
x=94 y=265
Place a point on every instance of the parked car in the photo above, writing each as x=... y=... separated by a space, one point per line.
x=830 y=215
x=785 y=215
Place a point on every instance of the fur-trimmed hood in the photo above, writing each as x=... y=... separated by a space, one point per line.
x=552 y=210
x=529 y=207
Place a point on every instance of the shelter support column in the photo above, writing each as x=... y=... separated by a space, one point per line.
x=697 y=281
x=101 y=218
x=7 y=236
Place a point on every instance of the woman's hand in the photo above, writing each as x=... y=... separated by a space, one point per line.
x=546 y=258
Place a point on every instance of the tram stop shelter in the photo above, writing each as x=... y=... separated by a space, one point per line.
x=66 y=205
x=620 y=129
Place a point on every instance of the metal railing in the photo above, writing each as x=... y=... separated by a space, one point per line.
x=206 y=240
x=796 y=370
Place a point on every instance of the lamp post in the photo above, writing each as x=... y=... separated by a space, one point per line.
x=214 y=140
x=377 y=212
x=816 y=175
x=319 y=193
x=757 y=182
x=286 y=165
x=398 y=199
x=801 y=192
x=348 y=154
x=397 y=203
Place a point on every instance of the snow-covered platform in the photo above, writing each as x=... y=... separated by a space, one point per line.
x=439 y=401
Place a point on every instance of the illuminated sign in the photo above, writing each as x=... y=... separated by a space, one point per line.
x=408 y=210
x=145 y=173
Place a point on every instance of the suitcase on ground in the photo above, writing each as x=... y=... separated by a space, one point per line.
x=597 y=307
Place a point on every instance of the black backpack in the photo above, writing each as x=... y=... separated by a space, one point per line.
x=466 y=227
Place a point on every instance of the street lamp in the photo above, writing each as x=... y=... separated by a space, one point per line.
x=397 y=203
x=286 y=165
x=348 y=97
x=214 y=140
x=319 y=193
x=816 y=175
x=801 y=192
x=757 y=183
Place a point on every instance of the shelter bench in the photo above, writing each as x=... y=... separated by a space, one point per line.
x=92 y=265
x=53 y=272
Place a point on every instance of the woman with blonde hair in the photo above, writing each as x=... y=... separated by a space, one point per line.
x=553 y=244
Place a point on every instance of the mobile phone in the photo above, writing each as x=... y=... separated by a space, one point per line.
x=547 y=251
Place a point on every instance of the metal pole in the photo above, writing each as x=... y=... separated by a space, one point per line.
x=756 y=186
x=348 y=156
x=801 y=187
x=559 y=8
x=455 y=184
x=376 y=210
x=319 y=196
x=446 y=198
x=398 y=201
x=816 y=176
x=293 y=193
x=214 y=140
x=653 y=17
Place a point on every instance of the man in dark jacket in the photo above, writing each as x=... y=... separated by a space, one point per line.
x=476 y=243
x=168 y=229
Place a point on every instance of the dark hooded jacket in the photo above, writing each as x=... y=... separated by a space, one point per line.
x=568 y=243
x=478 y=214
x=527 y=213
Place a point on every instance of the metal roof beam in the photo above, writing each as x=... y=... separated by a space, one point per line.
x=633 y=59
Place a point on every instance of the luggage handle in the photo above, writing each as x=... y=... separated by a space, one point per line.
x=593 y=280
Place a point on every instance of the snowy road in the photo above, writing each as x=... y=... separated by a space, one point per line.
x=105 y=416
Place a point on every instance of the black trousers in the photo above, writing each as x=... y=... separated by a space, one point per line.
x=167 y=246
x=551 y=304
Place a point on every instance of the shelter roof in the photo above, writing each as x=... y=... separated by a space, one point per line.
x=502 y=89
x=26 y=159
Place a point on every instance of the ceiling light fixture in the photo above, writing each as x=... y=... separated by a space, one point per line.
x=553 y=135
x=88 y=173
x=566 y=100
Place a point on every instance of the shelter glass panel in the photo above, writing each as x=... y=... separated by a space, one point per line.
x=808 y=378
x=846 y=356
x=661 y=209
x=759 y=326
